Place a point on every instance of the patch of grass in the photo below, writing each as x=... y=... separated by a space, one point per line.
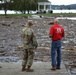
x=60 y=14
x=47 y=14
x=25 y=15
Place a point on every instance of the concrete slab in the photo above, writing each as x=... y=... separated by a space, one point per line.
x=40 y=68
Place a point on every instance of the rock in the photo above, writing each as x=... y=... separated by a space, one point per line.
x=5 y=24
x=51 y=23
x=0 y=66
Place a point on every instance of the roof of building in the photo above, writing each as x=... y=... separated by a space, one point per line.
x=43 y=1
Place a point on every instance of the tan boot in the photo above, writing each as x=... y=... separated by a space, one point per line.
x=53 y=68
x=29 y=70
x=57 y=67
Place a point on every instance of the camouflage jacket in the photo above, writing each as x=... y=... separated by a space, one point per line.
x=28 y=38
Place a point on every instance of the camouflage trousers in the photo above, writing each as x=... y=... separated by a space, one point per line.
x=28 y=55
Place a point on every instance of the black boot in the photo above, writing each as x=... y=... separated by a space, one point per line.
x=29 y=70
x=0 y=66
x=23 y=68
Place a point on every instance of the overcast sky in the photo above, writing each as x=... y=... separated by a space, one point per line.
x=63 y=2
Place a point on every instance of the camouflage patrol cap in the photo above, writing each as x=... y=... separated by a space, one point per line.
x=30 y=22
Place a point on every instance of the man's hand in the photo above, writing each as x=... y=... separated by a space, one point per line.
x=50 y=36
x=35 y=46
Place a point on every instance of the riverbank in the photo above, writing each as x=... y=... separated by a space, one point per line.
x=10 y=40
x=46 y=14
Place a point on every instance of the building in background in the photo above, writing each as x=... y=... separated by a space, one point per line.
x=44 y=6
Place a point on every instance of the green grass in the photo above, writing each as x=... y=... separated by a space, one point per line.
x=60 y=14
x=49 y=14
x=26 y=15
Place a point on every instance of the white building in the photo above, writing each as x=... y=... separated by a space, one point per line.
x=44 y=5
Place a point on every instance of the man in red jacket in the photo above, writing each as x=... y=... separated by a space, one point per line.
x=56 y=33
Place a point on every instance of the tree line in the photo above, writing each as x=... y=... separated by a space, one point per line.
x=19 y=5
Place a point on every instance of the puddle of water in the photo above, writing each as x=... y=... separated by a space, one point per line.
x=9 y=59
x=73 y=70
x=70 y=18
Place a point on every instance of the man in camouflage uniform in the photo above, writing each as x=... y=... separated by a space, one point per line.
x=29 y=44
